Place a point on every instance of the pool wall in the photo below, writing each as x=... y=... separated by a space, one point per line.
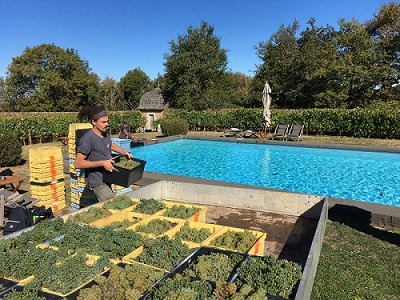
x=255 y=199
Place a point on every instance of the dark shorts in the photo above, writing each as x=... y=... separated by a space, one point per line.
x=103 y=192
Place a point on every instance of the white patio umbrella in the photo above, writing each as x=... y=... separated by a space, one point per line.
x=267 y=103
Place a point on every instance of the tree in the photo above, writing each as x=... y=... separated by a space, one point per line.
x=240 y=88
x=280 y=67
x=195 y=76
x=49 y=78
x=111 y=95
x=134 y=84
x=384 y=29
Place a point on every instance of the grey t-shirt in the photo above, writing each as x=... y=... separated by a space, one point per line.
x=95 y=148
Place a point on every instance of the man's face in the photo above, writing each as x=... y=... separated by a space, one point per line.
x=101 y=124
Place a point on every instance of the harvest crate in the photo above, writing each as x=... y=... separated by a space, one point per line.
x=124 y=177
x=256 y=249
x=174 y=222
x=213 y=228
x=192 y=259
x=119 y=216
x=199 y=216
x=132 y=257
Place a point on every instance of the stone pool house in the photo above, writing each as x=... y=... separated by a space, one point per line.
x=152 y=106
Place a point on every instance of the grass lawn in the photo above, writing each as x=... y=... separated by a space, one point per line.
x=357 y=261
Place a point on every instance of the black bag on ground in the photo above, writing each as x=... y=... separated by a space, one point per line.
x=19 y=218
x=43 y=213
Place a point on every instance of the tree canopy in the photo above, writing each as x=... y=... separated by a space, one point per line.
x=134 y=85
x=354 y=66
x=49 y=78
x=195 y=77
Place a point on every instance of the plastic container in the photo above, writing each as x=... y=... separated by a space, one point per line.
x=256 y=249
x=199 y=216
x=124 y=177
x=213 y=228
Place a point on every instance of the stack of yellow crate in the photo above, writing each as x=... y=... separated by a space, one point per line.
x=81 y=196
x=47 y=176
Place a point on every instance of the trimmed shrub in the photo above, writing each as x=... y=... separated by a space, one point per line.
x=174 y=126
x=10 y=149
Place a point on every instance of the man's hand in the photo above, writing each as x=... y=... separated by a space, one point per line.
x=127 y=154
x=108 y=165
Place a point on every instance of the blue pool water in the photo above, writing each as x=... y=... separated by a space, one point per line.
x=358 y=175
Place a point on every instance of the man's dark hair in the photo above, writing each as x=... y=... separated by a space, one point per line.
x=89 y=113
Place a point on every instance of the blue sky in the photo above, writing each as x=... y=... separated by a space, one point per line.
x=121 y=35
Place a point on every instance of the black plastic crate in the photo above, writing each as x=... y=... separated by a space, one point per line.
x=124 y=177
x=6 y=285
x=106 y=274
x=45 y=295
x=193 y=258
x=235 y=278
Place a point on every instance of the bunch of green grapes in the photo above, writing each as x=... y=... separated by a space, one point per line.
x=156 y=226
x=91 y=215
x=149 y=206
x=194 y=235
x=234 y=240
x=120 y=202
x=214 y=267
x=181 y=211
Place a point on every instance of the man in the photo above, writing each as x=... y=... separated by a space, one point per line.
x=94 y=151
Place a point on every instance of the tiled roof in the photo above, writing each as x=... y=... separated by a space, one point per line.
x=152 y=100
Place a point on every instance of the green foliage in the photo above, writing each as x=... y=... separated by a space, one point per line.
x=10 y=149
x=31 y=127
x=321 y=67
x=195 y=70
x=181 y=211
x=149 y=206
x=49 y=78
x=371 y=123
x=277 y=277
x=134 y=85
x=174 y=126
x=235 y=240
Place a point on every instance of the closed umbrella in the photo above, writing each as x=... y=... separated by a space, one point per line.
x=267 y=103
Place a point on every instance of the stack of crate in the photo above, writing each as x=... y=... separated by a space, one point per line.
x=47 y=176
x=81 y=196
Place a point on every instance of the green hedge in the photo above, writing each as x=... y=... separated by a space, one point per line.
x=367 y=123
x=38 y=127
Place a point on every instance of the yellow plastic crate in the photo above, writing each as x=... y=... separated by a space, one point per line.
x=75 y=126
x=119 y=216
x=48 y=189
x=199 y=216
x=45 y=154
x=151 y=218
x=213 y=228
x=256 y=249
x=131 y=257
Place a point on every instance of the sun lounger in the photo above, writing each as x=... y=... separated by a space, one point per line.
x=295 y=132
x=232 y=132
x=281 y=132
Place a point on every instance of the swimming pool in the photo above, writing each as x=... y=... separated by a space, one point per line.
x=357 y=175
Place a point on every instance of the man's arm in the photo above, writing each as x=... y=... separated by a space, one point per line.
x=82 y=163
x=120 y=150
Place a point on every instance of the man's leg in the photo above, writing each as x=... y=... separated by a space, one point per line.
x=103 y=192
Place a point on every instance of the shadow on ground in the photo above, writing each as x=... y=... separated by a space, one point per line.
x=361 y=220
